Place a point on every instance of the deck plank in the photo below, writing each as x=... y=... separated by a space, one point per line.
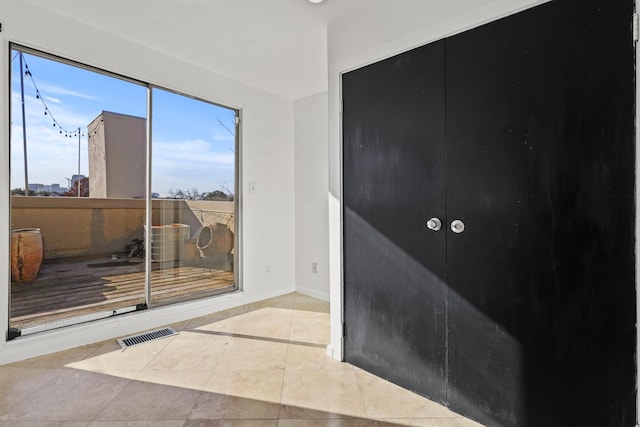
x=75 y=289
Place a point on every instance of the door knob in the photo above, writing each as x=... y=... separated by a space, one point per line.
x=434 y=224
x=457 y=226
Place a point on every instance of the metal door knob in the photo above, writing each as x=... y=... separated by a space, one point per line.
x=434 y=224
x=457 y=226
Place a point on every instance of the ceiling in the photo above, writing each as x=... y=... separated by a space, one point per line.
x=275 y=45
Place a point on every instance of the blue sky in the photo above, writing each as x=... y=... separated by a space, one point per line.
x=191 y=149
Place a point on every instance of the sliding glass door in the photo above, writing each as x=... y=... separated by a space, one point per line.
x=95 y=231
x=193 y=215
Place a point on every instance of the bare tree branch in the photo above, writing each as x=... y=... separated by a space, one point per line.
x=226 y=127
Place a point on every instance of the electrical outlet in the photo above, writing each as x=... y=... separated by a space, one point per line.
x=267 y=268
x=252 y=188
x=314 y=267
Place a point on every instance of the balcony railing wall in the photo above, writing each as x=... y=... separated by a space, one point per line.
x=88 y=227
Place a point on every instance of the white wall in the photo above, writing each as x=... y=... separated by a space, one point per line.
x=386 y=29
x=267 y=159
x=311 y=154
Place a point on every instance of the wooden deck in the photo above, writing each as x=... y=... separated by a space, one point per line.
x=74 y=289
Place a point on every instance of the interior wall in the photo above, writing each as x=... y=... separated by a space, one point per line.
x=311 y=154
x=384 y=30
x=267 y=159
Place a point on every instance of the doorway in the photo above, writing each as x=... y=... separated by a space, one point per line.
x=113 y=182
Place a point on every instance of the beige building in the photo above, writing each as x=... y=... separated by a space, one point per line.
x=117 y=156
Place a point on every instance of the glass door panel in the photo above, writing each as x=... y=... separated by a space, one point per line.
x=192 y=240
x=78 y=155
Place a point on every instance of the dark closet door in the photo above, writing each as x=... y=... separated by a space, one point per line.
x=541 y=170
x=394 y=181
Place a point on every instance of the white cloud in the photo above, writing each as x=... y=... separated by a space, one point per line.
x=53 y=88
x=51 y=157
x=191 y=164
x=34 y=112
x=192 y=152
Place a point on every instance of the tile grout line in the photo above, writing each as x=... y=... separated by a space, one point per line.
x=106 y=405
x=168 y=341
x=286 y=358
x=364 y=404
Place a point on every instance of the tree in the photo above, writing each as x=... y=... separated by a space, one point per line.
x=227 y=191
x=223 y=195
x=20 y=192
x=192 y=194
x=84 y=188
x=216 y=195
x=176 y=194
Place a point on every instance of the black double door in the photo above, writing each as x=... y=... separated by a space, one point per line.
x=523 y=130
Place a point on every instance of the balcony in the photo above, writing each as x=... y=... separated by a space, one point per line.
x=86 y=269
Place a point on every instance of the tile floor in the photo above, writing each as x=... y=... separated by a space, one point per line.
x=258 y=365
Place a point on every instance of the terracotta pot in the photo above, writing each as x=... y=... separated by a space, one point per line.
x=215 y=240
x=26 y=254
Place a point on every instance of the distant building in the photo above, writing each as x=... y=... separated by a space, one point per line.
x=36 y=188
x=117 y=159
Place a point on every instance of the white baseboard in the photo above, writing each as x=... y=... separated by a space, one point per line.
x=324 y=296
x=100 y=330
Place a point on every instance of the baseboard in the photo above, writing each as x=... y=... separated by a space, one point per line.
x=330 y=352
x=100 y=330
x=324 y=296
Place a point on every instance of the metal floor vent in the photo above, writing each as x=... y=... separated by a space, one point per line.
x=146 y=337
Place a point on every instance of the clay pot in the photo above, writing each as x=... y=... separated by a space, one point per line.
x=215 y=240
x=27 y=252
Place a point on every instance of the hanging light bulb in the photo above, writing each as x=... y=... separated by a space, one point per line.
x=45 y=112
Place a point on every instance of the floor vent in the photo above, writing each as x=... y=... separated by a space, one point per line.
x=146 y=337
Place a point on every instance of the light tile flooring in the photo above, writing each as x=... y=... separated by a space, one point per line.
x=257 y=365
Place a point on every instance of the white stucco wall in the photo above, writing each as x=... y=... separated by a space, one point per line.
x=267 y=155
x=311 y=155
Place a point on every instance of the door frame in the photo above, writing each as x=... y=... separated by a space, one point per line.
x=146 y=291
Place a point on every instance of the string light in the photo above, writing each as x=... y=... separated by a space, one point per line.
x=93 y=133
x=47 y=111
